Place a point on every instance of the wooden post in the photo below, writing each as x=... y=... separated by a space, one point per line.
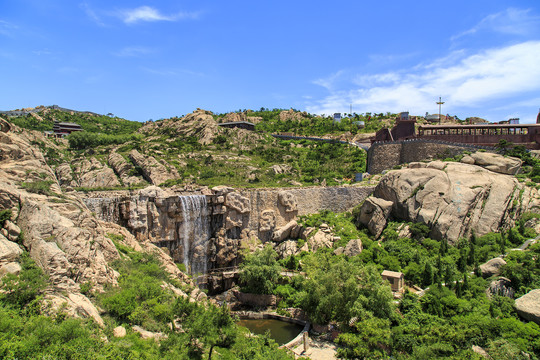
x=306 y=341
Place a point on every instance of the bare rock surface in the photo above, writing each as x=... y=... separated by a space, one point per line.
x=119 y=332
x=501 y=287
x=321 y=239
x=497 y=163
x=123 y=169
x=93 y=174
x=455 y=198
x=200 y=124
x=64 y=173
x=374 y=213
x=145 y=334
x=153 y=171
x=285 y=232
x=287 y=248
x=528 y=306
x=237 y=202
x=72 y=303
x=10 y=268
x=353 y=248
x=9 y=251
x=492 y=267
x=65 y=251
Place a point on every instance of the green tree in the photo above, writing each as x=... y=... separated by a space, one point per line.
x=260 y=271
x=371 y=339
x=427 y=275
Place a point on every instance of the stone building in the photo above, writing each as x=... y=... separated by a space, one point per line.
x=396 y=280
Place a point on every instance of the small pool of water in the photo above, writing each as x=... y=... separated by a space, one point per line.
x=282 y=332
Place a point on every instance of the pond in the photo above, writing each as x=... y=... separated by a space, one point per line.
x=282 y=332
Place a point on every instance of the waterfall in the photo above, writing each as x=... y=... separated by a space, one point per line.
x=194 y=233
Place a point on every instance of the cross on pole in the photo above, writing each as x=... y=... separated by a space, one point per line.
x=440 y=102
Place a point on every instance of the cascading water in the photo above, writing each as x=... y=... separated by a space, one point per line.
x=194 y=233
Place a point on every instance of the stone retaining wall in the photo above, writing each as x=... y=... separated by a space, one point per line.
x=264 y=315
x=308 y=201
x=383 y=156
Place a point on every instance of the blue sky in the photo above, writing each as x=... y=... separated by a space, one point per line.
x=155 y=59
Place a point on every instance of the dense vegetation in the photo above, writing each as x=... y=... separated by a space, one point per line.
x=253 y=160
x=311 y=125
x=454 y=314
x=204 y=331
x=307 y=162
x=90 y=123
x=531 y=164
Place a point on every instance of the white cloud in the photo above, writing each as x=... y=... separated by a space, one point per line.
x=147 y=13
x=134 y=51
x=471 y=81
x=7 y=28
x=92 y=14
x=329 y=81
x=511 y=21
x=173 y=72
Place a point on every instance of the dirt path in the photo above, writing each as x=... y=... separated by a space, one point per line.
x=318 y=350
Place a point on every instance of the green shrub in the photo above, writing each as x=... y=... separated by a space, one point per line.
x=21 y=290
x=42 y=187
x=5 y=215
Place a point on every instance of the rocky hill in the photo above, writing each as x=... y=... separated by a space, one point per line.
x=114 y=153
x=453 y=198
x=119 y=223
x=60 y=234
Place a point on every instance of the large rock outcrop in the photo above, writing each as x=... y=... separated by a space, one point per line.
x=123 y=169
x=455 y=198
x=69 y=254
x=9 y=257
x=373 y=214
x=94 y=174
x=153 y=171
x=494 y=162
x=61 y=234
x=492 y=267
x=528 y=306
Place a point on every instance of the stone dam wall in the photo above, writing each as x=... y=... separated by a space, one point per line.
x=287 y=203
x=383 y=156
x=233 y=217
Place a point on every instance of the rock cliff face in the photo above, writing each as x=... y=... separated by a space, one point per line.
x=454 y=198
x=233 y=219
x=60 y=232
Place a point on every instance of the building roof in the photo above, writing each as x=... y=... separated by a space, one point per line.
x=67 y=124
x=393 y=274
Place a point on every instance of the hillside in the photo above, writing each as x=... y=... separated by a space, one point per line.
x=146 y=273
x=114 y=153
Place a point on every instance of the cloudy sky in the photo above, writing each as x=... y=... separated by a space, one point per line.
x=154 y=59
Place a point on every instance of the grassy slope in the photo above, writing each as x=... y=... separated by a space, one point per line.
x=233 y=158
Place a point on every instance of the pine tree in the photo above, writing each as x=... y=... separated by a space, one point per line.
x=427 y=275
x=462 y=262
x=465 y=282
x=448 y=275
x=471 y=257
x=477 y=270
x=502 y=244
x=444 y=247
